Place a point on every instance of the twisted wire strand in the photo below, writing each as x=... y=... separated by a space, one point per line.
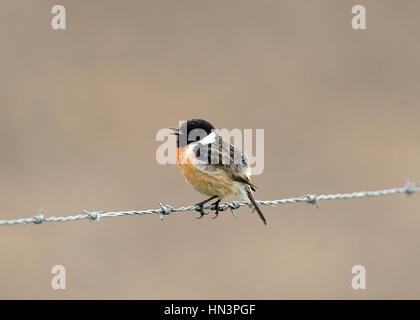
x=408 y=189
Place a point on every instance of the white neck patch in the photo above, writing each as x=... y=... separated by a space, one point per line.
x=209 y=139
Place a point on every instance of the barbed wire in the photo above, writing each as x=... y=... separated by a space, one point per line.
x=408 y=189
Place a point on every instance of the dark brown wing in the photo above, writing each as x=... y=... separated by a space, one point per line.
x=221 y=155
x=244 y=179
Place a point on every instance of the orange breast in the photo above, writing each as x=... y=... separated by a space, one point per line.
x=212 y=183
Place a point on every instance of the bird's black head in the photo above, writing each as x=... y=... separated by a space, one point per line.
x=191 y=131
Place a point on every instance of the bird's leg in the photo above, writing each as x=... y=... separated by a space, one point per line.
x=201 y=204
x=217 y=208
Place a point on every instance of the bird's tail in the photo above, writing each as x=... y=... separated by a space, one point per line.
x=251 y=198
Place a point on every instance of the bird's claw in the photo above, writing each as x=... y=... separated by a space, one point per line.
x=214 y=206
x=217 y=208
x=200 y=210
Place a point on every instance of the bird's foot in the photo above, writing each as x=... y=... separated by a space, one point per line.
x=217 y=208
x=200 y=206
x=200 y=209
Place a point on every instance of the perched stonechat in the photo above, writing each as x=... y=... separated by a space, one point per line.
x=212 y=166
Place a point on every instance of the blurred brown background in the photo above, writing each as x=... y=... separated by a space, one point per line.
x=80 y=108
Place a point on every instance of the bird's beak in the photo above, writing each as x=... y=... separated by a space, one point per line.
x=176 y=131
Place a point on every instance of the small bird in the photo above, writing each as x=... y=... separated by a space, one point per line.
x=212 y=166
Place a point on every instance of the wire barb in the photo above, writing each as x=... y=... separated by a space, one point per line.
x=93 y=215
x=39 y=218
x=408 y=189
x=312 y=199
x=165 y=210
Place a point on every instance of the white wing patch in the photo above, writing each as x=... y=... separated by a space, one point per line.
x=209 y=139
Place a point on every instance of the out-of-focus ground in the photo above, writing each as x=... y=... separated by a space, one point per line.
x=80 y=109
